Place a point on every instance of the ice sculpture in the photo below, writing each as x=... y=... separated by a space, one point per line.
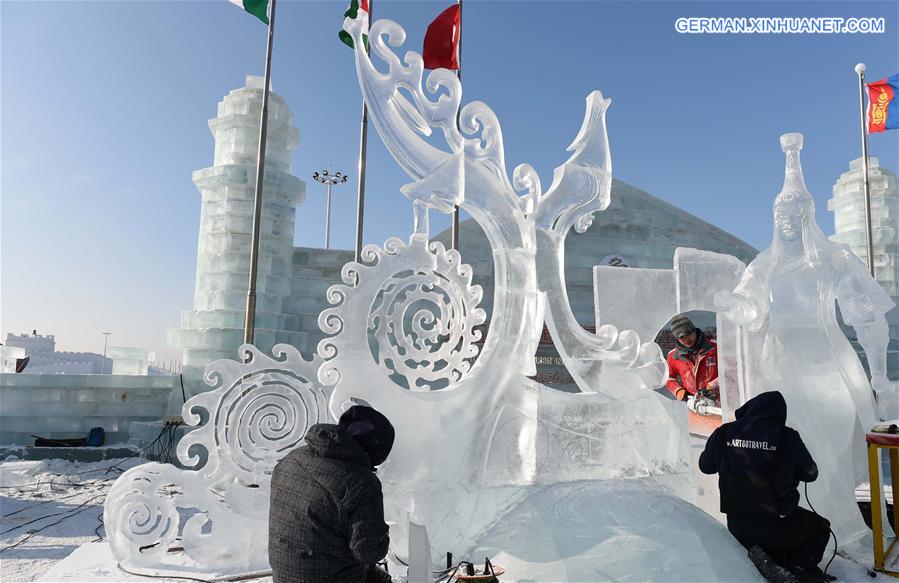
x=257 y=411
x=486 y=433
x=645 y=299
x=792 y=288
x=474 y=435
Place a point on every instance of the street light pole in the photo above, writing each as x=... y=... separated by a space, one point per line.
x=325 y=177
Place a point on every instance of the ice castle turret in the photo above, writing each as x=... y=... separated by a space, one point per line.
x=848 y=207
x=214 y=328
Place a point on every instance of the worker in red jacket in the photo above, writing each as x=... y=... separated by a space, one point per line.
x=693 y=363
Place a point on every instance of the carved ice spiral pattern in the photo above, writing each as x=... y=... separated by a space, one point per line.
x=422 y=324
x=140 y=522
x=262 y=417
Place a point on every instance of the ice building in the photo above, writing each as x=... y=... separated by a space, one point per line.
x=44 y=359
x=848 y=207
x=62 y=395
x=213 y=329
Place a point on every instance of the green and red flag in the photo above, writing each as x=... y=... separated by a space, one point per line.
x=258 y=8
x=441 y=46
x=883 y=105
x=353 y=12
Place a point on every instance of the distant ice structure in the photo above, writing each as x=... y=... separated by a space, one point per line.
x=44 y=359
x=128 y=360
x=848 y=209
x=791 y=289
x=474 y=436
x=214 y=328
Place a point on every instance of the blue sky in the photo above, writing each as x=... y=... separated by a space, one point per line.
x=104 y=106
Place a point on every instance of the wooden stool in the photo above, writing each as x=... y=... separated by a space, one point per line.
x=876 y=442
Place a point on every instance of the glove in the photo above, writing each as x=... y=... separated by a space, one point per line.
x=710 y=392
x=375 y=574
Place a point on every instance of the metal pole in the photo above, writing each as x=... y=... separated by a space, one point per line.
x=860 y=70
x=454 y=230
x=363 y=147
x=328 y=221
x=250 y=321
x=325 y=177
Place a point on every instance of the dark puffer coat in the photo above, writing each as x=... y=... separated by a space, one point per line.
x=326 y=523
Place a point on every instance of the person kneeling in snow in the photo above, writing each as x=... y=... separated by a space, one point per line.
x=326 y=523
x=760 y=462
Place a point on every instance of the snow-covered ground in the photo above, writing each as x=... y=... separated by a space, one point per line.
x=50 y=508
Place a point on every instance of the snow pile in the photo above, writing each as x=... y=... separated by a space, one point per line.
x=15 y=474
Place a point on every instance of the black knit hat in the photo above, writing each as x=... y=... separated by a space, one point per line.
x=681 y=325
x=371 y=430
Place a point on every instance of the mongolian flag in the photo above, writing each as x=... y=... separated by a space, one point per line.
x=883 y=105
x=441 y=47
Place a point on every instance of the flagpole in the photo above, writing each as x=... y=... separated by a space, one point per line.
x=454 y=230
x=250 y=321
x=860 y=71
x=363 y=150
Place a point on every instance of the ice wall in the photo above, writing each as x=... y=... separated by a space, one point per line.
x=69 y=405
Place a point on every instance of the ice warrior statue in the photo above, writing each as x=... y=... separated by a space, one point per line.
x=793 y=287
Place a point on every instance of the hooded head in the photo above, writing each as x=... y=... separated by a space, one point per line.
x=371 y=430
x=769 y=406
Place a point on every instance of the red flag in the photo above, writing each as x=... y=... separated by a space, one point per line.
x=441 y=48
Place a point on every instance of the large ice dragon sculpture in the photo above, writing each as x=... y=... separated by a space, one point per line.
x=474 y=433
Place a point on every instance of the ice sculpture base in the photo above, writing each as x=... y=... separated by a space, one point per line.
x=612 y=530
x=95 y=563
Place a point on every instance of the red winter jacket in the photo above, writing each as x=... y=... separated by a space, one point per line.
x=692 y=371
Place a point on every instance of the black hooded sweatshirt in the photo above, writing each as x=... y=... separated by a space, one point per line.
x=751 y=443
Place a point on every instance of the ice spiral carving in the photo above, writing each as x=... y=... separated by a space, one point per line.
x=256 y=419
x=258 y=410
x=136 y=515
x=421 y=313
x=422 y=323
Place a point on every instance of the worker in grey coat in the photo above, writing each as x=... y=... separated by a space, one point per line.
x=326 y=523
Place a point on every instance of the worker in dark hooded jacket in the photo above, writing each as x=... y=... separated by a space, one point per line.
x=326 y=523
x=760 y=462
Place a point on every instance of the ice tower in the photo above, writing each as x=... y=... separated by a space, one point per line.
x=214 y=328
x=848 y=207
